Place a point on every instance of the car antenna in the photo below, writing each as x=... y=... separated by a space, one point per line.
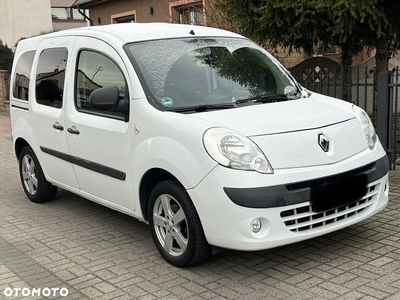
x=192 y=32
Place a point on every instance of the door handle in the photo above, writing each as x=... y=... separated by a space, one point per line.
x=57 y=126
x=73 y=130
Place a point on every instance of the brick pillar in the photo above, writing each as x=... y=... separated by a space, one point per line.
x=4 y=102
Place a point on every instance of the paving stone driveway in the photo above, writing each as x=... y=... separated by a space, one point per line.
x=97 y=253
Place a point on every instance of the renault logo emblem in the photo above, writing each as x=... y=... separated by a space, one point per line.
x=323 y=142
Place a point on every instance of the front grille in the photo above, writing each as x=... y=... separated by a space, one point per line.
x=334 y=178
x=302 y=218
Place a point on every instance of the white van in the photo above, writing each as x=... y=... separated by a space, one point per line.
x=197 y=131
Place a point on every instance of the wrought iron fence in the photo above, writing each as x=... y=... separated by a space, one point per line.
x=360 y=88
x=393 y=98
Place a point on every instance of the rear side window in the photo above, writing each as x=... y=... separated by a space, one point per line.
x=23 y=76
x=95 y=71
x=50 y=77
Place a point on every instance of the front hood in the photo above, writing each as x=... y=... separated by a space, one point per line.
x=290 y=133
x=271 y=118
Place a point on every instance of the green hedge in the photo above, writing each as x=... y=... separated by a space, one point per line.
x=6 y=57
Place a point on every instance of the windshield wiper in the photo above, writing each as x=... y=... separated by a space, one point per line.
x=263 y=99
x=203 y=107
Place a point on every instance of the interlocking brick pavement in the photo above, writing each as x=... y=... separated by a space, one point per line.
x=5 y=126
x=97 y=253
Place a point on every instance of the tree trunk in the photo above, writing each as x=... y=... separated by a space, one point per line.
x=346 y=60
x=382 y=56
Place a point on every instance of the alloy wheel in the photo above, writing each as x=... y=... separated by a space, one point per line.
x=29 y=175
x=170 y=225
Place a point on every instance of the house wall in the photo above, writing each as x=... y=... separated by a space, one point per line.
x=287 y=59
x=100 y=14
x=23 y=18
x=57 y=26
x=61 y=3
x=66 y=24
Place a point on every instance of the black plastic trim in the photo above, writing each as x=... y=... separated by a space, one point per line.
x=298 y=192
x=20 y=107
x=102 y=169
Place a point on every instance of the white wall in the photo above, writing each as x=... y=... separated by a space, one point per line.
x=62 y=3
x=23 y=18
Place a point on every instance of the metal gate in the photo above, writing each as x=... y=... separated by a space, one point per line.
x=325 y=76
x=388 y=114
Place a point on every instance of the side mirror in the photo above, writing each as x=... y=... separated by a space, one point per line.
x=107 y=99
x=104 y=99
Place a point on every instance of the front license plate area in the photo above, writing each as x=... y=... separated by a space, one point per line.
x=332 y=195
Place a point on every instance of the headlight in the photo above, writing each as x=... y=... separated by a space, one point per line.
x=366 y=125
x=236 y=151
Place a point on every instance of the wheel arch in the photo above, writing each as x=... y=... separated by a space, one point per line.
x=149 y=180
x=20 y=144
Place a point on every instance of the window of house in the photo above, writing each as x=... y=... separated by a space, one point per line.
x=76 y=15
x=191 y=14
x=187 y=12
x=328 y=49
x=22 y=75
x=50 y=77
x=95 y=71
x=126 y=17
x=65 y=13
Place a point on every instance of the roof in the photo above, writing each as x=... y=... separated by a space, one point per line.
x=133 y=32
x=87 y=3
x=121 y=34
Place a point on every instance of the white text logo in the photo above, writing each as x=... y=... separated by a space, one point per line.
x=26 y=292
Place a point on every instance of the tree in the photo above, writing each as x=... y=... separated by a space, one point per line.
x=302 y=24
x=6 y=57
x=375 y=24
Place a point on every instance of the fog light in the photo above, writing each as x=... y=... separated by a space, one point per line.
x=256 y=225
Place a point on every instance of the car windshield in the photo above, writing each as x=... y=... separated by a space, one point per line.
x=180 y=74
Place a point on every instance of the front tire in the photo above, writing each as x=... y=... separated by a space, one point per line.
x=35 y=185
x=175 y=225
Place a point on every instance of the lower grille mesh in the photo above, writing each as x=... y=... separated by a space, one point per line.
x=302 y=218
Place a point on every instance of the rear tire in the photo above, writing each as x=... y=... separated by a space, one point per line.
x=35 y=185
x=175 y=225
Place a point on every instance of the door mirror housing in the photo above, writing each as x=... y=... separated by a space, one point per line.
x=108 y=99
x=104 y=99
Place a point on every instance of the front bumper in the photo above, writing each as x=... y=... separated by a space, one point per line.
x=298 y=192
x=286 y=217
